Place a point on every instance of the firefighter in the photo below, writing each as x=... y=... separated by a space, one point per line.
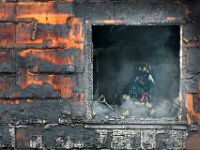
x=139 y=89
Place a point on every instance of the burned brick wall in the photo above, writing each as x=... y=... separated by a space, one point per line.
x=46 y=72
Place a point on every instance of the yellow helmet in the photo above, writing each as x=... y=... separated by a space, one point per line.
x=144 y=68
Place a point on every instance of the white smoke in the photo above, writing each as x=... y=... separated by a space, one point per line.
x=156 y=46
x=163 y=108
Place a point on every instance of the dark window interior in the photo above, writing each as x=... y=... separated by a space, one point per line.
x=118 y=50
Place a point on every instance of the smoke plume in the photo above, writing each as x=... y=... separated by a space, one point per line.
x=118 y=50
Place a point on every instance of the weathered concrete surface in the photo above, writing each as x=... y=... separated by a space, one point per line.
x=46 y=76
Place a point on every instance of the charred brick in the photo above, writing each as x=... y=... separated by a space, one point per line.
x=7 y=10
x=51 y=61
x=69 y=137
x=7 y=34
x=35 y=111
x=22 y=138
x=7 y=61
x=193 y=57
x=7 y=83
x=6 y=137
x=28 y=137
x=190 y=31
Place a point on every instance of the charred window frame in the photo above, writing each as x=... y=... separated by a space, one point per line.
x=88 y=73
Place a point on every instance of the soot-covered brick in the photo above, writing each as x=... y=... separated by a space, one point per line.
x=51 y=61
x=7 y=34
x=7 y=61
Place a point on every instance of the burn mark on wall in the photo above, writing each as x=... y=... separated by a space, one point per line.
x=54 y=24
x=6 y=137
x=52 y=61
x=192 y=100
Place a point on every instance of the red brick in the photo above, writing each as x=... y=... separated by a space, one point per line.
x=7 y=10
x=193 y=141
x=7 y=34
x=25 y=78
x=7 y=82
x=22 y=138
x=67 y=85
x=46 y=13
x=54 y=24
x=56 y=35
x=23 y=33
x=50 y=61
x=59 y=82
